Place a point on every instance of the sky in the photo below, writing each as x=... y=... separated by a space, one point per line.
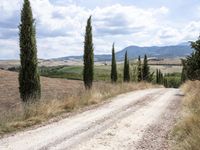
x=60 y=25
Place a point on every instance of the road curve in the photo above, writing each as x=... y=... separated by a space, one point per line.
x=136 y=120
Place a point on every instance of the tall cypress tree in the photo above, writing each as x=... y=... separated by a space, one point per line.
x=126 y=68
x=165 y=82
x=113 y=66
x=88 y=56
x=139 y=70
x=145 y=69
x=157 y=76
x=128 y=71
x=161 y=77
x=29 y=79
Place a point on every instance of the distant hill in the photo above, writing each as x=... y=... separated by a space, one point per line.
x=180 y=50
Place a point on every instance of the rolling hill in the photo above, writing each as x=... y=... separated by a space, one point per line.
x=173 y=51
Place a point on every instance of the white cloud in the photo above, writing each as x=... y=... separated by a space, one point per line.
x=60 y=28
x=8 y=49
x=8 y=7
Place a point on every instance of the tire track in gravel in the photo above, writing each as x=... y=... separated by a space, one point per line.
x=129 y=133
x=157 y=136
x=101 y=125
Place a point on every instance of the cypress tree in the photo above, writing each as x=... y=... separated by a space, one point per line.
x=165 y=82
x=126 y=68
x=139 y=70
x=88 y=56
x=160 y=77
x=145 y=70
x=128 y=71
x=113 y=66
x=157 y=76
x=29 y=79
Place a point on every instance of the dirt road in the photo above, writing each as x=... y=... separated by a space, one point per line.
x=136 y=120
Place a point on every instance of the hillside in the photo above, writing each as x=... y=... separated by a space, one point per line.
x=155 y=51
x=173 y=51
x=51 y=89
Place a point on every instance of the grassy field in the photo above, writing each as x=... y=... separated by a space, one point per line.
x=101 y=72
x=187 y=131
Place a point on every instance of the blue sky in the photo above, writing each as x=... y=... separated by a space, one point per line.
x=61 y=24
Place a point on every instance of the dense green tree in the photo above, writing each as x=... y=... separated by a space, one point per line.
x=126 y=68
x=192 y=62
x=88 y=56
x=29 y=79
x=145 y=70
x=139 y=70
x=113 y=66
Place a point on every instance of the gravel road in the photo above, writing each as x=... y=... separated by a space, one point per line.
x=136 y=120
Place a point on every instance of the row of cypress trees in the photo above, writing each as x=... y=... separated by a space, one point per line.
x=159 y=76
x=143 y=70
x=88 y=69
x=29 y=79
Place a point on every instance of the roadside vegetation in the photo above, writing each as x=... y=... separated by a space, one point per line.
x=172 y=80
x=187 y=131
x=44 y=110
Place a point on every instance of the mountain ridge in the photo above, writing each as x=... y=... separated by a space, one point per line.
x=171 y=51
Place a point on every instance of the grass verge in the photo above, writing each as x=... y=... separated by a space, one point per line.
x=78 y=98
x=187 y=131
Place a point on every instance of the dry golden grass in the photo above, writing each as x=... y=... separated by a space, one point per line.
x=59 y=97
x=187 y=131
x=51 y=89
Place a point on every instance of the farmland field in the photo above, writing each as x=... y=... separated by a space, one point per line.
x=51 y=89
